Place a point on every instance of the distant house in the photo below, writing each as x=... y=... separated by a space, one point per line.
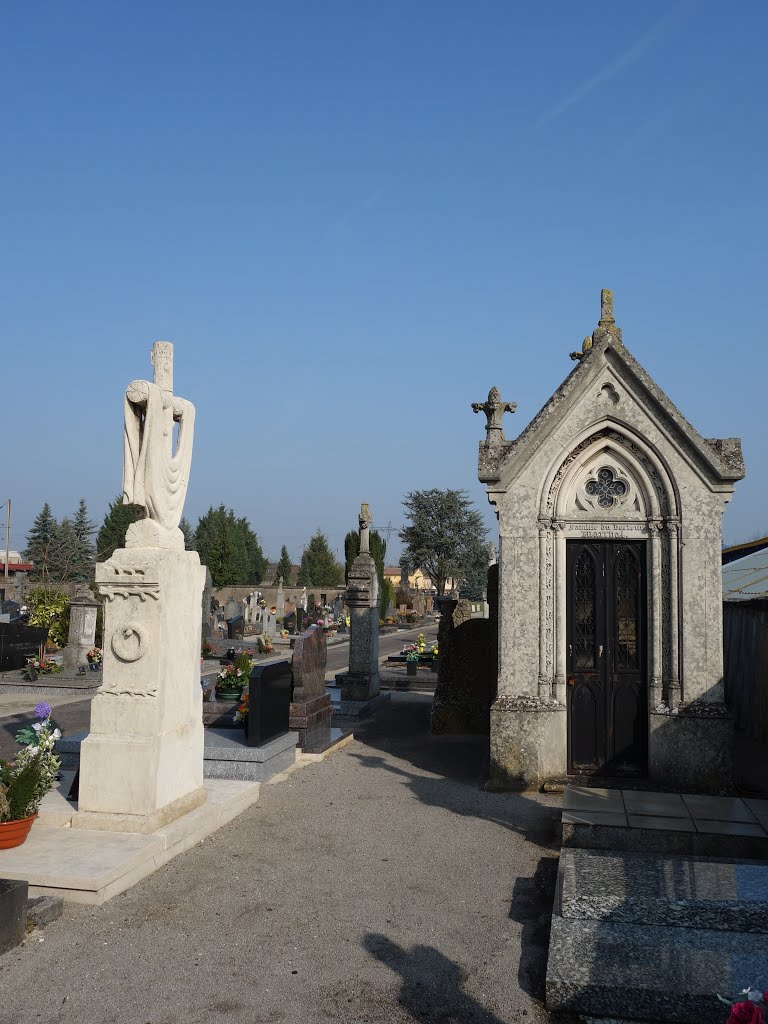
x=745 y=638
x=416 y=580
x=741 y=550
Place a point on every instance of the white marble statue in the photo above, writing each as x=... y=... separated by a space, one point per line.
x=155 y=477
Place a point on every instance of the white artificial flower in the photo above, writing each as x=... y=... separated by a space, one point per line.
x=56 y=734
x=37 y=726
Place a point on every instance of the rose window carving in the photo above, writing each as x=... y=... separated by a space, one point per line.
x=606 y=488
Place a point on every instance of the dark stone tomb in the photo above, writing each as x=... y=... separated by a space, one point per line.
x=311 y=709
x=269 y=702
x=18 y=642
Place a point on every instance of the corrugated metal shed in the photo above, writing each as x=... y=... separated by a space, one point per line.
x=746 y=579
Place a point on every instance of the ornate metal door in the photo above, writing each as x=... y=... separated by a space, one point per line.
x=607 y=644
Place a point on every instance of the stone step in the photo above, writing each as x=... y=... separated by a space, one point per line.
x=599 y=968
x=677 y=892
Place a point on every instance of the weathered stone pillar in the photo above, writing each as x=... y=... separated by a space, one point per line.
x=82 y=629
x=362 y=683
x=561 y=601
x=656 y=695
x=675 y=694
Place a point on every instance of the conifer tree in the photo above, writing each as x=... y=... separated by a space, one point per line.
x=189 y=534
x=230 y=548
x=318 y=566
x=111 y=536
x=284 y=568
x=38 y=542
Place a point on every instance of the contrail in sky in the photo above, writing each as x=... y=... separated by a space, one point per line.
x=639 y=49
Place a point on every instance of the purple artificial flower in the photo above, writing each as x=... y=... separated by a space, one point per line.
x=43 y=710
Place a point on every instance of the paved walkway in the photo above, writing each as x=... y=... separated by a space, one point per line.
x=382 y=884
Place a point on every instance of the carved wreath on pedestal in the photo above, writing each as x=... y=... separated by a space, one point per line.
x=130 y=642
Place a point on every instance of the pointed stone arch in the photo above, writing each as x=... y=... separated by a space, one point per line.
x=611 y=484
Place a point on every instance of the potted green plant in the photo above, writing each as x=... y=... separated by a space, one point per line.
x=230 y=683
x=25 y=780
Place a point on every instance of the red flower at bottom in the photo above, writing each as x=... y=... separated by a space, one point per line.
x=746 y=1013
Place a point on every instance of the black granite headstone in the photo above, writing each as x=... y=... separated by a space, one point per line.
x=19 y=642
x=13 y=913
x=235 y=628
x=269 y=702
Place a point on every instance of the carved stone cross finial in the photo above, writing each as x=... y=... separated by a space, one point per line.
x=494 y=410
x=162 y=364
x=365 y=519
x=606 y=307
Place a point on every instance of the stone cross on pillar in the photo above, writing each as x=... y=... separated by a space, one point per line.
x=494 y=410
x=365 y=520
x=606 y=307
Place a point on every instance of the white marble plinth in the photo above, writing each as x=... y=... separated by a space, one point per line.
x=141 y=766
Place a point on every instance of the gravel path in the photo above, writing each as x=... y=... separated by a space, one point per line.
x=382 y=884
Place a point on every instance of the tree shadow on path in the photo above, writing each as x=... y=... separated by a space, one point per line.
x=431 y=987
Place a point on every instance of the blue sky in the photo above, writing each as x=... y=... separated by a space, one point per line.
x=352 y=219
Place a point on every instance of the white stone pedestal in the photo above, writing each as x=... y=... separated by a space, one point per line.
x=141 y=766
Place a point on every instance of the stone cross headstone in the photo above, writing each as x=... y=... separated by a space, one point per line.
x=280 y=601
x=82 y=629
x=141 y=766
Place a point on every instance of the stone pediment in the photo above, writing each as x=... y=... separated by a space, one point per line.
x=606 y=376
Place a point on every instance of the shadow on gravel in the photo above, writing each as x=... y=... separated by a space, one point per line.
x=402 y=729
x=431 y=988
x=532 y=903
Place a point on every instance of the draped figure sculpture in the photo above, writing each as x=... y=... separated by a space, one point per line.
x=155 y=477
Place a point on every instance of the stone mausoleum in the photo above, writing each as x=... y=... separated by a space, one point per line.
x=610 y=610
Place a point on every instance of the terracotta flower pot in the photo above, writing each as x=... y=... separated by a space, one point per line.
x=13 y=833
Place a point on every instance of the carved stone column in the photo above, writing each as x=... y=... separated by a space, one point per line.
x=561 y=600
x=656 y=669
x=545 y=635
x=674 y=688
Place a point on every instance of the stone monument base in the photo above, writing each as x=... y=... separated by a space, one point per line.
x=91 y=866
x=358 y=686
x=692 y=748
x=350 y=708
x=311 y=717
x=528 y=742
x=227 y=756
x=104 y=821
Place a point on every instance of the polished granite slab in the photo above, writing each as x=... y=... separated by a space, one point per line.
x=683 y=892
x=651 y=973
x=226 y=755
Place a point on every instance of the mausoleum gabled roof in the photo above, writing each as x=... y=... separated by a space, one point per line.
x=500 y=461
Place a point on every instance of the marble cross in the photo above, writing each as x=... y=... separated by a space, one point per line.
x=494 y=410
